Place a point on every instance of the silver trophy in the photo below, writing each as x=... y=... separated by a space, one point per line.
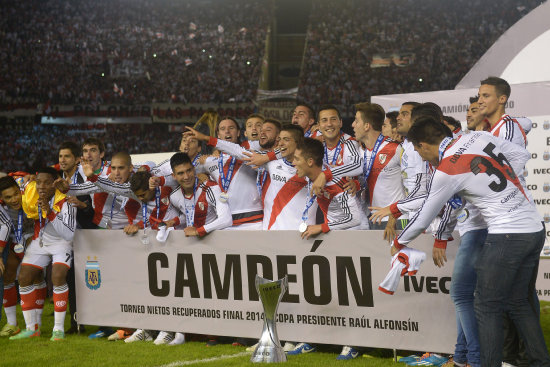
x=269 y=347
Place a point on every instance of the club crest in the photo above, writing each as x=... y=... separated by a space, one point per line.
x=382 y=158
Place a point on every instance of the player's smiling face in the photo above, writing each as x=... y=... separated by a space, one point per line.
x=253 y=127
x=185 y=176
x=12 y=197
x=330 y=124
x=228 y=130
x=474 y=117
x=488 y=100
x=268 y=136
x=287 y=144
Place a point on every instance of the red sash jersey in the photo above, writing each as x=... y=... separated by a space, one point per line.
x=209 y=212
x=244 y=199
x=508 y=128
x=480 y=168
x=155 y=215
x=284 y=194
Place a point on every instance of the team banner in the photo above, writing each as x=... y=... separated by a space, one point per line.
x=206 y=286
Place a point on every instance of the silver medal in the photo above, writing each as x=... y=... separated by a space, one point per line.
x=303 y=227
x=18 y=248
x=463 y=214
x=224 y=196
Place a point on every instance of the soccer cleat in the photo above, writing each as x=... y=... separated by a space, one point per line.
x=179 y=338
x=119 y=335
x=26 y=334
x=252 y=348
x=302 y=348
x=411 y=358
x=57 y=335
x=97 y=335
x=429 y=359
x=10 y=330
x=139 y=335
x=452 y=363
x=289 y=346
x=348 y=353
x=164 y=338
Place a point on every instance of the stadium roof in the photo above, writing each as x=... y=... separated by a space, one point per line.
x=520 y=55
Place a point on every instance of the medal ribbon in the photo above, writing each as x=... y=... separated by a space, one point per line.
x=309 y=202
x=190 y=209
x=336 y=154
x=226 y=180
x=367 y=166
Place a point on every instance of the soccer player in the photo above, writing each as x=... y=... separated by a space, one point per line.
x=481 y=169
x=475 y=120
x=304 y=116
x=253 y=127
x=55 y=223
x=93 y=151
x=15 y=231
x=493 y=96
x=69 y=159
x=389 y=128
x=191 y=147
x=197 y=206
x=340 y=148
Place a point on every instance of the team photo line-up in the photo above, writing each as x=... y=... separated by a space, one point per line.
x=403 y=172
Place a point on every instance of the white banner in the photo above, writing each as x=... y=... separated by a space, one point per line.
x=206 y=286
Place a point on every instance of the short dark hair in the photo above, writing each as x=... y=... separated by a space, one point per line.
x=314 y=149
x=178 y=159
x=48 y=170
x=426 y=109
x=6 y=182
x=372 y=113
x=427 y=129
x=474 y=99
x=453 y=122
x=140 y=181
x=310 y=109
x=96 y=142
x=296 y=131
x=410 y=103
x=329 y=107
x=392 y=116
x=501 y=86
x=76 y=151
x=275 y=123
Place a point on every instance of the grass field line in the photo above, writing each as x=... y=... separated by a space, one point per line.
x=187 y=363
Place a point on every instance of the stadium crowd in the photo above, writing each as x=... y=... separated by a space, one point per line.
x=394 y=168
x=445 y=38
x=134 y=51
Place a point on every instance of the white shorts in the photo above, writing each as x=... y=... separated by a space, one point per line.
x=40 y=257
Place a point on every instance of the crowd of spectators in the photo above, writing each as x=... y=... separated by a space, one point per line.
x=38 y=146
x=197 y=51
x=446 y=38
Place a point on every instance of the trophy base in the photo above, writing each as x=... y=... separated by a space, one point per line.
x=268 y=354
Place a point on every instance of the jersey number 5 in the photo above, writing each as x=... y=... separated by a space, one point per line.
x=503 y=168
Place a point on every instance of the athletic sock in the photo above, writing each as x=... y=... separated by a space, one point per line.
x=10 y=302
x=60 y=299
x=28 y=303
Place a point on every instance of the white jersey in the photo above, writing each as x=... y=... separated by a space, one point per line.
x=480 y=168
x=284 y=193
x=8 y=225
x=340 y=210
x=345 y=154
x=251 y=145
x=244 y=199
x=57 y=228
x=509 y=129
x=164 y=168
x=413 y=170
x=207 y=212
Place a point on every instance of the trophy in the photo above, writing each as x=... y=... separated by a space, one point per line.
x=269 y=347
